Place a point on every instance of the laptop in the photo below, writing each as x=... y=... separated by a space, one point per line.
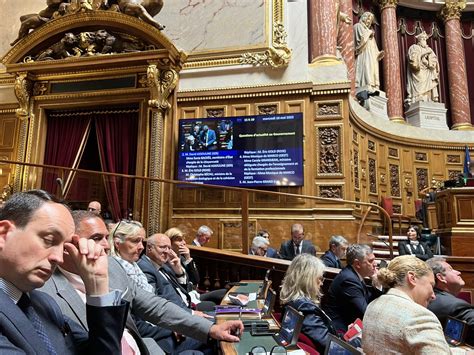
x=287 y=335
x=455 y=331
x=265 y=286
x=338 y=346
x=269 y=303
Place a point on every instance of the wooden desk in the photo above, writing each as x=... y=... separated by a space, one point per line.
x=247 y=341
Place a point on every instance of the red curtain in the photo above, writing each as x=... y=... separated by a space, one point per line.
x=117 y=140
x=65 y=140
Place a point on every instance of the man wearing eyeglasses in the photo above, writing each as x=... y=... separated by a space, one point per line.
x=259 y=246
x=297 y=245
x=145 y=305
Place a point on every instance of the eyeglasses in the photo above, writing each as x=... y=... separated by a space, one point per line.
x=129 y=221
x=260 y=350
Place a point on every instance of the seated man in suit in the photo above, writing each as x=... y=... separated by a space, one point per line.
x=348 y=295
x=163 y=269
x=337 y=250
x=259 y=246
x=36 y=231
x=203 y=236
x=448 y=284
x=208 y=138
x=271 y=252
x=144 y=305
x=297 y=245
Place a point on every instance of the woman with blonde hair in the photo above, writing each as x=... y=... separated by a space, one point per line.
x=301 y=289
x=399 y=322
x=126 y=245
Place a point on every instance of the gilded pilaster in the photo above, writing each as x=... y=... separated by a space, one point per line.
x=23 y=89
x=161 y=84
x=452 y=10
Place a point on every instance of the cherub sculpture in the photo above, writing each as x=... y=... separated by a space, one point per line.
x=143 y=9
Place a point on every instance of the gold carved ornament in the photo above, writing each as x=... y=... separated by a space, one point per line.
x=161 y=84
x=23 y=88
x=452 y=10
x=387 y=3
x=277 y=56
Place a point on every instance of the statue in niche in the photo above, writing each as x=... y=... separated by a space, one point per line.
x=423 y=72
x=143 y=9
x=367 y=54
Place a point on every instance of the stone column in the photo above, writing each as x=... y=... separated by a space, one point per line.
x=391 y=61
x=457 y=76
x=345 y=40
x=324 y=30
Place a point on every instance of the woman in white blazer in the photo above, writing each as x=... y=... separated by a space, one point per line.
x=399 y=322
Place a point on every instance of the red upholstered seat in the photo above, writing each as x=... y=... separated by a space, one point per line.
x=387 y=205
x=466 y=296
x=308 y=349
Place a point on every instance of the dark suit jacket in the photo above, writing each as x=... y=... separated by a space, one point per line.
x=446 y=305
x=423 y=253
x=316 y=324
x=154 y=309
x=272 y=253
x=331 y=260
x=192 y=273
x=348 y=298
x=287 y=250
x=164 y=287
x=17 y=334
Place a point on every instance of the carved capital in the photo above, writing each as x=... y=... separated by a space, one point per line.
x=452 y=10
x=161 y=84
x=23 y=88
x=387 y=3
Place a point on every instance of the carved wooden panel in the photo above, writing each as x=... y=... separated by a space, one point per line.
x=371 y=145
x=395 y=180
x=421 y=178
x=210 y=195
x=189 y=112
x=355 y=137
x=393 y=152
x=453 y=174
x=372 y=176
x=265 y=198
x=230 y=234
x=453 y=159
x=420 y=156
x=271 y=109
x=331 y=191
x=329 y=153
x=356 y=170
x=397 y=209
x=215 y=112
x=7 y=133
x=240 y=110
x=328 y=109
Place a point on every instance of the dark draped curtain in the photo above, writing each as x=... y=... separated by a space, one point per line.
x=65 y=141
x=467 y=27
x=117 y=140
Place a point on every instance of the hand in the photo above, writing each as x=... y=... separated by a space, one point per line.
x=184 y=251
x=91 y=262
x=228 y=331
x=174 y=262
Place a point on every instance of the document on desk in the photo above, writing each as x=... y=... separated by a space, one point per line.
x=252 y=296
x=293 y=352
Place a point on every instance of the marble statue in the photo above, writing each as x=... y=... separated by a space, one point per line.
x=143 y=9
x=367 y=54
x=423 y=72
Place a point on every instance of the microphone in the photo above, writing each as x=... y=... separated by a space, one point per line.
x=59 y=181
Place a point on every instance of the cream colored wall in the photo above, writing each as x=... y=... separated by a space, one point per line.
x=11 y=10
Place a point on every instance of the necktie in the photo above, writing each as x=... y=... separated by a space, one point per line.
x=25 y=305
x=297 y=249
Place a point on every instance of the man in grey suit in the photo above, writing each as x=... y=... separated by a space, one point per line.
x=145 y=305
x=297 y=245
